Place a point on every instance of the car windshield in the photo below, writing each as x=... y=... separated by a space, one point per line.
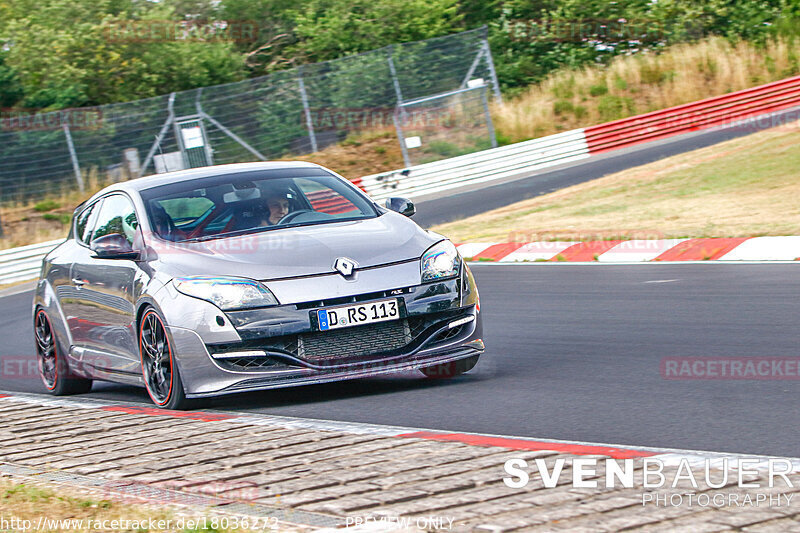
x=234 y=204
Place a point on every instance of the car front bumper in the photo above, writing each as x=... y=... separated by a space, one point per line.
x=429 y=313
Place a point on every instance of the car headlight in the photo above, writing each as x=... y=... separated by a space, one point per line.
x=226 y=293
x=440 y=261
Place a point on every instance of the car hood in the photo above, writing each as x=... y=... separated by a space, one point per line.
x=300 y=251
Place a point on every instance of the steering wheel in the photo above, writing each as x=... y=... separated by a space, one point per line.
x=291 y=216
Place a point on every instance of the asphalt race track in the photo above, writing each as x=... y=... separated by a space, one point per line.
x=454 y=205
x=573 y=353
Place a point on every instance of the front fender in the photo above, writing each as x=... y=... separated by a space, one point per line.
x=186 y=315
x=182 y=311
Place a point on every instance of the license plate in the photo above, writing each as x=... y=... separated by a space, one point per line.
x=356 y=315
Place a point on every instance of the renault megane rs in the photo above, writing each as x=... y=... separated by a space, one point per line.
x=247 y=277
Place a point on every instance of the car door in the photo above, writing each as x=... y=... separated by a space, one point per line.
x=105 y=305
x=67 y=290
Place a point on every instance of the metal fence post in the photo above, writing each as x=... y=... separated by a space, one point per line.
x=395 y=81
x=399 y=109
x=200 y=113
x=489 y=123
x=233 y=136
x=161 y=134
x=74 y=158
x=489 y=61
x=401 y=138
x=474 y=65
x=209 y=152
x=306 y=110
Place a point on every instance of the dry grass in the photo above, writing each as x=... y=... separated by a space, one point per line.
x=741 y=188
x=362 y=153
x=637 y=84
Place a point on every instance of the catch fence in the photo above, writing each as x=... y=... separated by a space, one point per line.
x=432 y=94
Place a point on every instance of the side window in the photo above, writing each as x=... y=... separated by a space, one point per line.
x=116 y=216
x=85 y=221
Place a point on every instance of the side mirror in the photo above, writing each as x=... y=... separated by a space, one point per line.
x=402 y=206
x=114 y=246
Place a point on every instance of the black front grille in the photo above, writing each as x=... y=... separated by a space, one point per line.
x=354 y=342
x=284 y=344
x=244 y=364
x=447 y=334
x=342 y=346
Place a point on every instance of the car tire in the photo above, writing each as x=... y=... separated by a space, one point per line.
x=160 y=373
x=53 y=366
x=451 y=369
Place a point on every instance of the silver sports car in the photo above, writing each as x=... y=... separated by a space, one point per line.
x=247 y=277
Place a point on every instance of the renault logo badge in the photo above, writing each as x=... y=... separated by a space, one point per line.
x=345 y=266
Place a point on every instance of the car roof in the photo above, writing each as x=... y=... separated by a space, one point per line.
x=146 y=182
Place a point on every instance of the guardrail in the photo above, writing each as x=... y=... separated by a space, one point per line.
x=478 y=167
x=699 y=115
x=25 y=262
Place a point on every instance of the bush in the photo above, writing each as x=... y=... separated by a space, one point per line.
x=613 y=107
x=650 y=74
x=445 y=149
x=502 y=139
x=46 y=205
x=562 y=106
x=64 y=218
x=598 y=90
x=565 y=89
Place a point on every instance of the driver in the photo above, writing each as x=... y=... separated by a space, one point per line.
x=277 y=207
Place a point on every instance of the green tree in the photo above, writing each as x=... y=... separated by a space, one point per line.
x=69 y=53
x=10 y=88
x=327 y=29
x=275 y=22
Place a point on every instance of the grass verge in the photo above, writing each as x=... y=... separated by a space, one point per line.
x=745 y=187
x=57 y=509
